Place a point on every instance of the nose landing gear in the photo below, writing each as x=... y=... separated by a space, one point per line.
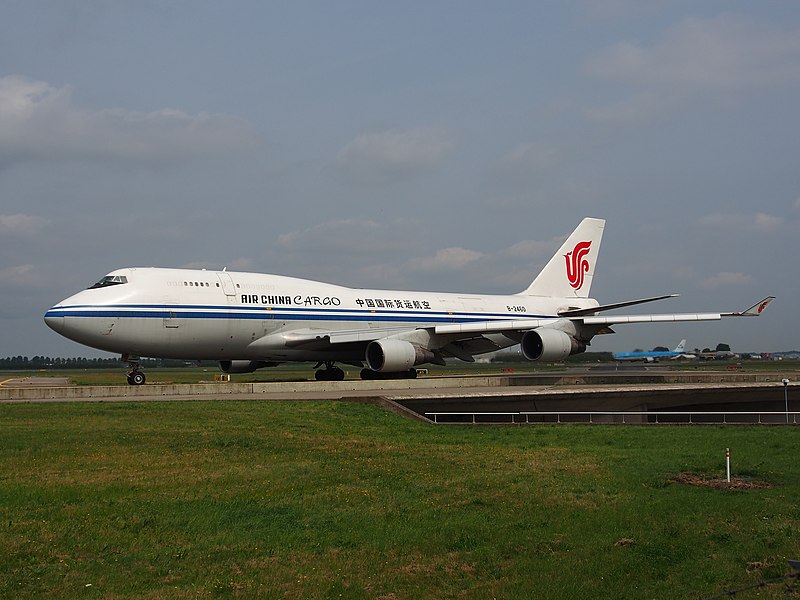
x=136 y=378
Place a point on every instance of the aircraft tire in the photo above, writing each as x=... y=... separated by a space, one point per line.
x=136 y=378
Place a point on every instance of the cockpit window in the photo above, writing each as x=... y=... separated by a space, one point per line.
x=110 y=280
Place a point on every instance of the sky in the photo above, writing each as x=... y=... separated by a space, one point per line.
x=438 y=146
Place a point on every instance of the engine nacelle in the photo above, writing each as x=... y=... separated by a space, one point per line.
x=243 y=366
x=395 y=355
x=549 y=344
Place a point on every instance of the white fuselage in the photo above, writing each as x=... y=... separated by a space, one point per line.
x=219 y=315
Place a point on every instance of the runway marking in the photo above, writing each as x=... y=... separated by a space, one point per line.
x=7 y=380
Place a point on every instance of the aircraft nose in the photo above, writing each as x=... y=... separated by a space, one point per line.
x=54 y=321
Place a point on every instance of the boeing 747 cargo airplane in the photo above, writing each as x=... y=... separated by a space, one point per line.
x=247 y=321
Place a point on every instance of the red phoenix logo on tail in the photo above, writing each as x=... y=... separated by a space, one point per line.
x=577 y=264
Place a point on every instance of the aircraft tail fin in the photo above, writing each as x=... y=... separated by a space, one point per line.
x=680 y=347
x=569 y=273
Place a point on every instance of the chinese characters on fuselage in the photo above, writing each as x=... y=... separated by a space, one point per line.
x=386 y=303
x=300 y=300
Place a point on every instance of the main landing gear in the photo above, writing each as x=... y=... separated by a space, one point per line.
x=135 y=375
x=329 y=373
x=334 y=373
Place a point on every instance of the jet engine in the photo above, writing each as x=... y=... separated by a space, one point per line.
x=549 y=344
x=243 y=366
x=396 y=355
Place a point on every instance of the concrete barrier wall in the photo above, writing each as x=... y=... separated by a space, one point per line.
x=380 y=385
x=121 y=391
x=488 y=381
x=240 y=389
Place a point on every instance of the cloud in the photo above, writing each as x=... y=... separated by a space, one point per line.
x=394 y=154
x=638 y=108
x=716 y=55
x=724 y=52
x=530 y=155
x=529 y=249
x=22 y=225
x=350 y=235
x=236 y=264
x=758 y=222
x=725 y=279
x=446 y=259
x=402 y=254
x=40 y=121
x=20 y=276
x=355 y=251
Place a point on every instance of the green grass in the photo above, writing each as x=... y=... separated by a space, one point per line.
x=330 y=500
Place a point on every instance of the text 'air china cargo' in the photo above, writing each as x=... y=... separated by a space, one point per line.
x=247 y=321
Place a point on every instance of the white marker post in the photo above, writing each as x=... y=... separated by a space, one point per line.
x=785 y=383
x=728 y=463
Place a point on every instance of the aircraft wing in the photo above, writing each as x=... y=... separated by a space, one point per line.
x=487 y=327
x=754 y=310
x=466 y=335
x=491 y=326
x=592 y=320
x=621 y=319
x=320 y=338
x=595 y=309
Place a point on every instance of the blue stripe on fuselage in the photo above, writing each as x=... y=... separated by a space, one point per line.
x=289 y=314
x=289 y=309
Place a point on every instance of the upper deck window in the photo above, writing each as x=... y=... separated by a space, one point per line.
x=109 y=280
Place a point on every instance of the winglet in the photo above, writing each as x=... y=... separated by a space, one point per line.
x=754 y=310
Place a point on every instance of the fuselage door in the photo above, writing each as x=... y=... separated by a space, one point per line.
x=227 y=283
x=171 y=321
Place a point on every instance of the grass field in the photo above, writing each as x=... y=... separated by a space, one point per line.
x=340 y=500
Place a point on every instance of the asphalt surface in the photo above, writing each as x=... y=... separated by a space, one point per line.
x=24 y=382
